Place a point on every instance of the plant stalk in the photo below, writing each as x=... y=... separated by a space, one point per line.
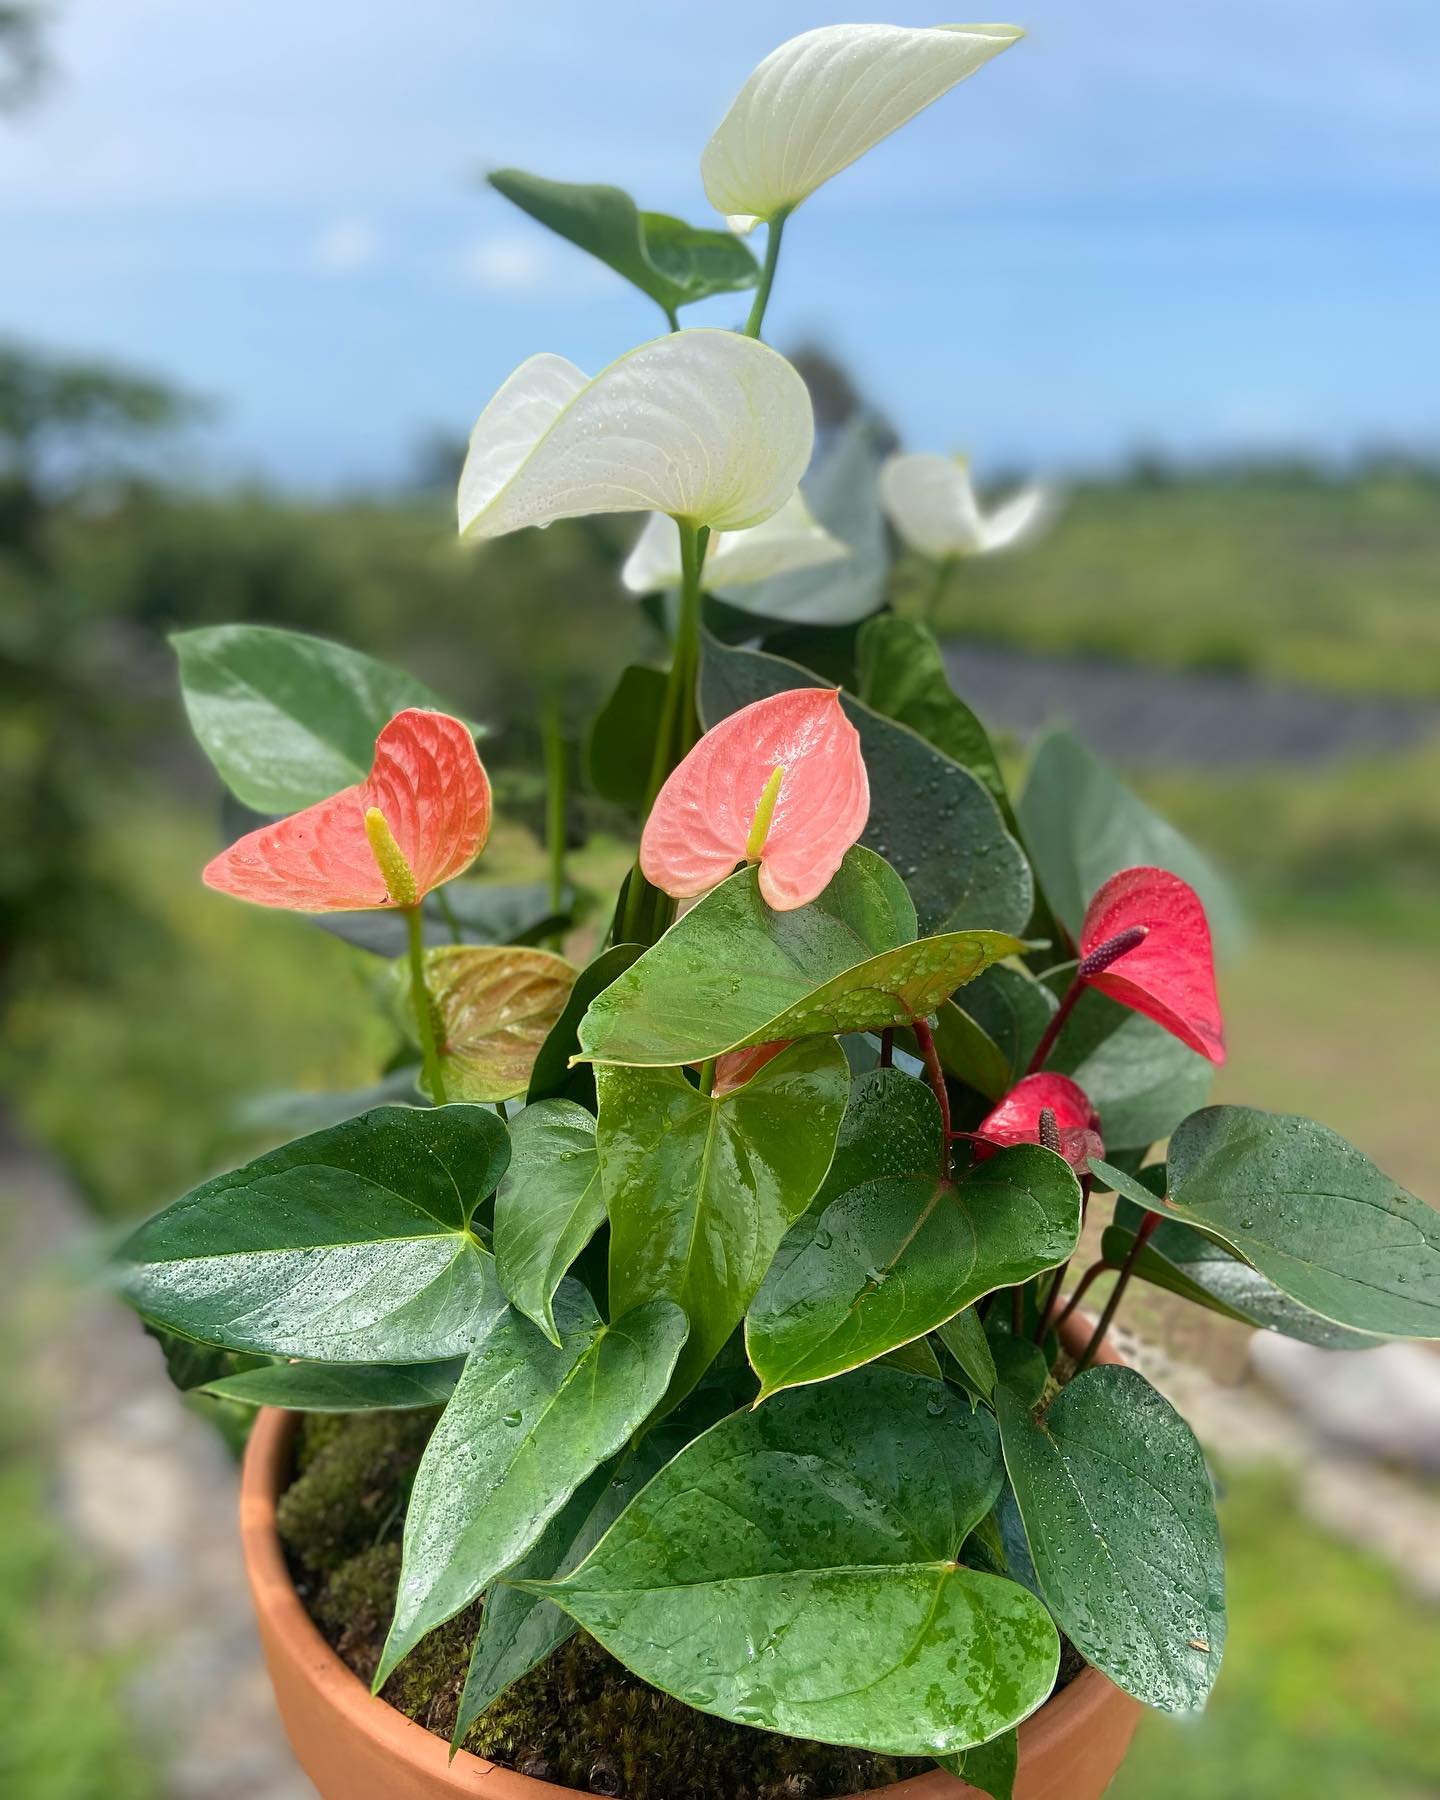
x=420 y=999
x=1122 y=1281
x=944 y=569
x=553 y=744
x=773 y=233
x=925 y=1038
x=1054 y=1028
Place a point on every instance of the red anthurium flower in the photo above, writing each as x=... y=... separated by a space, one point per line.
x=1146 y=943
x=781 y=783
x=420 y=818
x=1017 y=1120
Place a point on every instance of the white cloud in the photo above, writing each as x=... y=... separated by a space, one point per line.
x=507 y=263
x=345 y=246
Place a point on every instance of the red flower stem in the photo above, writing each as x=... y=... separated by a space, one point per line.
x=1053 y=1029
x=1095 y=1270
x=887 y=1048
x=1122 y=1281
x=925 y=1038
x=420 y=1000
x=1053 y=1298
x=1017 y=1310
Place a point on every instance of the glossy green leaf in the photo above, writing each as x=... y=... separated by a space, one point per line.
x=915 y=1358
x=968 y=1052
x=701 y=1190
x=902 y=676
x=552 y=1078
x=351 y=1245
x=674 y=263
x=1082 y=825
x=989 y=1767
x=731 y=973
x=1120 y=1519
x=893 y=1258
x=964 y=1337
x=493 y=1007
x=930 y=818
x=466 y=912
x=1140 y=1078
x=1309 y=1211
x=288 y=719
x=549 y=1205
x=527 y=1423
x=621 y=745
x=1020 y=1364
x=1181 y=1261
x=341 y=1387
x=794 y=1568
x=296 y=1113
x=1013 y=1009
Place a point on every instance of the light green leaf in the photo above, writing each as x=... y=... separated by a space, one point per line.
x=1120 y=1520
x=1309 y=1211
x=1140 y=1078
x=701 y=1190
x=549 y=1205
x=930 y=818
x=351 y=1245
x=964 y=1337
x=819 y=1593
x=674 y=263
x=527 y=1423
x=846 y=962
x=287 y=719
x=341 y=1387
x=1081 y=826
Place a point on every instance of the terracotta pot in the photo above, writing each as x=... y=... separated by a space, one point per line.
x=355 y=1747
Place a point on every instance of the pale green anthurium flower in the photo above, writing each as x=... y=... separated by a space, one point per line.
x=825 y=98
x=705 y=426
x=931 y=503
x=790 y=539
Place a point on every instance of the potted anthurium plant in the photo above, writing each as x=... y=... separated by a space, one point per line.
x=721 y=1419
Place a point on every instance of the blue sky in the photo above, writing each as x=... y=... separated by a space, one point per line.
x=1202 y=227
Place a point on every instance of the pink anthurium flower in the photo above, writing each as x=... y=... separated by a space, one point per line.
x=419 y=818
x=1146 y=943
x=1019 y=1119
x=780 y=783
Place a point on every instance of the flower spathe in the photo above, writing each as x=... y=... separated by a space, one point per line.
x=790 y=539
x=931 y=502
x=1168 y=973
x=823 y=99
x=780 y=783
x=419 y=819
x=1016 y=1119
x=705 y=426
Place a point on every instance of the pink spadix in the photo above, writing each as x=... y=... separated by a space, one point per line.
x=419 y=818
x=780 y=783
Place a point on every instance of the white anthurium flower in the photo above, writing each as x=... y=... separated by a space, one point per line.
x=790 y=539
x=931 y=503
x=826 y=97
x=705 y=426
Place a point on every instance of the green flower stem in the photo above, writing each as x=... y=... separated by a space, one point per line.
x=420 y=999
x=554 y=749
x=447 y=912
x=773 y=233
x=944 y=569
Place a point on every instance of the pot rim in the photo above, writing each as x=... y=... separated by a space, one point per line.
x=263 y=1472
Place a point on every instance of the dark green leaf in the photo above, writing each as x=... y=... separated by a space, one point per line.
x=552 y=1077
x=621 y=745
x=351 y=1245
x=929 y=817
x=1021 y=1365
x=470 y=912
x=915 y=1358
x=990 y=1767
x=190 y=1365
x=1013 y=1009
x=1081 y=826
x=1120 y=1518
x=1140 y=1078
x=903 y=677
x=1309 y=1211
x=674 y=263
x=847 y=962
x=701 y=1190
x=342 y=1387
x=964 y=1337
x=968 y=1052
x=287 y=719
x=295 y=1114
x=527 y=1423
x=818 y=1592
x=549 y=1205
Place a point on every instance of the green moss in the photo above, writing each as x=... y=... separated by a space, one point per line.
x=356 y=1479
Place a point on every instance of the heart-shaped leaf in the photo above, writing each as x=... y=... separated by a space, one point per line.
x=1308 y=1210
x=494 y=1007
x=846 y=962
x=1118 y=1511
x=700 y=1189
x=351 y=1245
x=288 y=719
x=1169 y=975
x=674 y=263
x=891 y=1256
x=341 y=1387
x=549 y=1205
x=827 y=1522
x=527 y=1423
x=1183 y=1262
x=930 y=818
x=1140 y=1078
x=1081 y=826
